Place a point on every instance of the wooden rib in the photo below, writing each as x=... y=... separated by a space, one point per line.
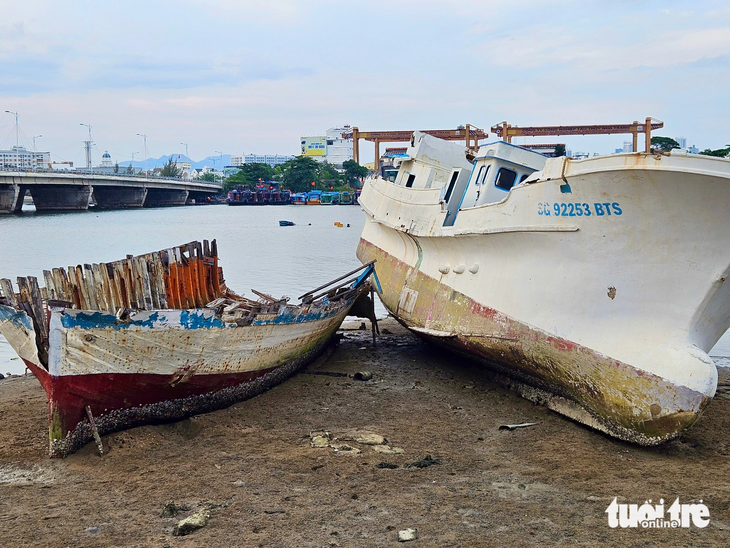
x=6 y=286
x=160 y=280
x=88 y=280
x=58 y=285
x=39 y=309
x=107 y=274
x=202 y=286
x=50 y=286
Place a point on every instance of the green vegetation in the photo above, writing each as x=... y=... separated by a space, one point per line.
x=207 y=177
x=559 y=150
x=720 y=152
x=353 y=171
x=249 y=174
x=170 y=169
x=664 y=143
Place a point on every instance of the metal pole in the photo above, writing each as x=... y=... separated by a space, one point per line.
x=647 y=133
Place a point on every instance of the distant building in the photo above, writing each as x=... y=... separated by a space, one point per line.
x=681 y=141
x=19 y=157
x=331 y=148
x=106 y=159
x=693 y=150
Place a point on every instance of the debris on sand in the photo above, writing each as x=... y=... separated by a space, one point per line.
x=407 y=534
x=320 y=439
x=362 y=376
x=425 y=462
x=191 y=523
x=366 y=438
x=345 y=449
x=387 y=450
x=516 y=426
x=388 y=465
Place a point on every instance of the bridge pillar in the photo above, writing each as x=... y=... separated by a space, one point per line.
x=158 y=197
x=60 y=197
x=9 y=198
x=115 y=197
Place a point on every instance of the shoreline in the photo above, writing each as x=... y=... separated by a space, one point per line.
x=254 y=469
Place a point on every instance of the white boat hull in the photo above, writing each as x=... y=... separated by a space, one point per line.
x=611 y=311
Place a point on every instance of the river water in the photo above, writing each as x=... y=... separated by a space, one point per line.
x=255 y=252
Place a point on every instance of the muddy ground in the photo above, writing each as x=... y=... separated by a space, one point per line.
x=252 y=467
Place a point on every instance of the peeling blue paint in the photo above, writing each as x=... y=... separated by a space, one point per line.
x=188 y=319
x=21 y=319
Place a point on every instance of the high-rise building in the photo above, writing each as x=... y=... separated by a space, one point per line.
x=19 y=157
x=332 y=147
x=681 y=141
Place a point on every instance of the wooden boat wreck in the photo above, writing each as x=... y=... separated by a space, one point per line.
x=159 y=337
x=595 y=287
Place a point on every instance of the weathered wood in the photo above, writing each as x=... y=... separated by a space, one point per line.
x=59 y=285
x=39 y=309
x=95 y=431
x=50 y=285
x=6 y=288
x=83 y=289
x=160 y=280
x=88 y=276
x=131 y=280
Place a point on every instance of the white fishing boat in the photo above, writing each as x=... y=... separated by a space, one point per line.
x=160 y=337
x=595 y=287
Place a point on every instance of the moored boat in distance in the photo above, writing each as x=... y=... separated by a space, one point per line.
x=263 y=193
x=300 y=198
x=330 y=198
x=346 y=198
x=286 y=223
x=314 y=197
x=159 y=337
x=595 y=286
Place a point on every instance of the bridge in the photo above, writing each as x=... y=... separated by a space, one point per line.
x=59 y=191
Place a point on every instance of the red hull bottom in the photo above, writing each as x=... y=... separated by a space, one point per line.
x=119 y=401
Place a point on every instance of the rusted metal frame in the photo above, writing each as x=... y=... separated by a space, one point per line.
x=6 y=288
x=202 y=286
x=337 y=280
x=195 y=277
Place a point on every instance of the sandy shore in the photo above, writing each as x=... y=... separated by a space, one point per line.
x=252 y=467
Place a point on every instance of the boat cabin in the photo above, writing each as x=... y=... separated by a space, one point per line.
x=496 y=169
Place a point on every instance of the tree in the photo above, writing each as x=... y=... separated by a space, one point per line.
x=559 y=150
x=116 y=167
x=664 y=143
x=328 y=177
x=353 y=171
x=720 y=152
x=130 y=170
x=298 y=173
x=170 y=169
x=249 y=174
x=208 y=177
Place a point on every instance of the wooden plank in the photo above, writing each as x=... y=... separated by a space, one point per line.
x=143 y=269
x=50 y=285
x=81 y=284
x=152 y=276
x=131 y=280
x=39 y=309
x=107 y=273
x=6 y=288
x=206 y=248
x=194 y=276
x=88 y=277
x=100 y=287
x=160 y=281
x=58 y=284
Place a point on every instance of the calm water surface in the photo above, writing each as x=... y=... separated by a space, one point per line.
x=255 y=251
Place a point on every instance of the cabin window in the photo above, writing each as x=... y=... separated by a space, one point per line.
x=411 y=178
x=452 y=182
x=525 y=176
x=505 y=178
x=482 y=175
x=330 y=142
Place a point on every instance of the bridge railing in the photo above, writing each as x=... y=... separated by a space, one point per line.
x=138 y=175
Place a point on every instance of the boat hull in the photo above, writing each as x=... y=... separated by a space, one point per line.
x=161 y=366
x=574 y=380
x=606 y=316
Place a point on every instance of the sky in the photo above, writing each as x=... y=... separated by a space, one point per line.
x=243 y=76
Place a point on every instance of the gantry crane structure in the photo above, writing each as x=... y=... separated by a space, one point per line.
x=470 y=134
x=507 y=131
